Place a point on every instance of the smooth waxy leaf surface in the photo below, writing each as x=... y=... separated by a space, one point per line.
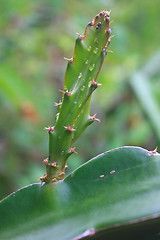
x=115 y=188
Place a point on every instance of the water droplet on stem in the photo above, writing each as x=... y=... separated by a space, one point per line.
x=89 y=48
x=80 y=75
x=82 y=88
x=95 y=50
x=91 y=67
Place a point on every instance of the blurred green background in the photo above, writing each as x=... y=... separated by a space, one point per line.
x=35 y=36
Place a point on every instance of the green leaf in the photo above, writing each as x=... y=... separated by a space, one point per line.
x=113 y=192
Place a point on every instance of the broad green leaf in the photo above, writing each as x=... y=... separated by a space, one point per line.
x=113 y=192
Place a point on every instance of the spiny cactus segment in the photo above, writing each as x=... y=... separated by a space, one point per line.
x=73 y=115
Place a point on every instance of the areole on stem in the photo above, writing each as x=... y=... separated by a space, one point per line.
x=80 y=82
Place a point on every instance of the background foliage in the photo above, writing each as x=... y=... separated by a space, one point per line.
x=35 y=36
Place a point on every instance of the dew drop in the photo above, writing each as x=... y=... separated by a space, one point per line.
x=75 y=102
x=95 y=50
x=86 y=62
x=89 y=48
x=80 y=105
x=91 y=67
x=80 y=75
x=82 y=88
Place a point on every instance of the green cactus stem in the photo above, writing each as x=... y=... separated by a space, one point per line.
x=73 y=115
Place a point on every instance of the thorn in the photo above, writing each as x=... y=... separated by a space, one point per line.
x=109 y=39
x=66 y=92
x=70 y=128
x=104 y=50
x=107 y=13
x=97 y=17
x=43 y=179
x=94 y=83
x=108 y=31
x=69 y=59
x=154 y=151
x=72 y=150
x=107 y=16
x=81 y=37
x=62 y=174
x=88 y=233
x=58 y=104
x=107 y=19
x=50 y=129
x=45 y=161
x=91 y=24
x=54 y=180
x=53 y=164
x=113 y=28
x=93 y=118
x=109 y=51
